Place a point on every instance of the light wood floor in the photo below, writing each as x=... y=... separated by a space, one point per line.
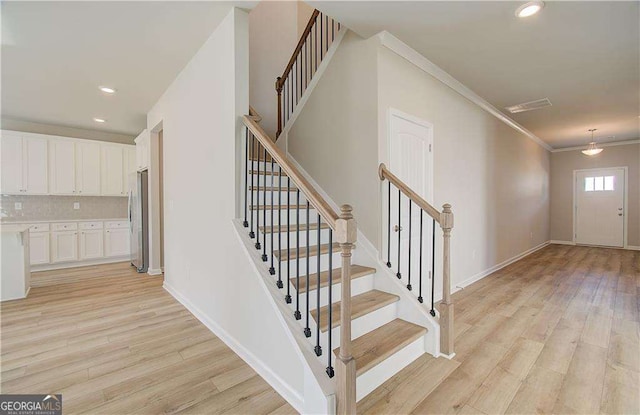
x=114 y=342
x=557 y=332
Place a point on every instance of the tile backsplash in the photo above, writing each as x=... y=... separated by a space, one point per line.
x=42 y=208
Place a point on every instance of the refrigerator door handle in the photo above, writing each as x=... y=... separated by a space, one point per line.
x=130 y=207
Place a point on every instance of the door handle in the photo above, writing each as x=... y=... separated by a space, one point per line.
x=619 y=214
x=397 y=228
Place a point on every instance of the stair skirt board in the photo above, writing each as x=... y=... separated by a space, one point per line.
x=385 y=370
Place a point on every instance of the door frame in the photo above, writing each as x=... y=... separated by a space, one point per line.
x=625 y=192
x=386 y=147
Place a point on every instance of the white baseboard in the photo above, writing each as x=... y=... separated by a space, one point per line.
x=152 y=271
x=633 y=248
x=497 y=267
x=256 y=364
x=448 y=356
x=77 y=264
x=557 y=242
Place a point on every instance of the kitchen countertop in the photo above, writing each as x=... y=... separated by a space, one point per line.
x=14 y=228
x=32 y=222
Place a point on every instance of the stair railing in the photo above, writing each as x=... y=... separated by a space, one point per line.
x=314 y=43
x=259 y=148
x=445 y=220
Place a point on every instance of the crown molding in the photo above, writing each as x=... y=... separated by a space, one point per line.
x=407 y=52
x=612 y=144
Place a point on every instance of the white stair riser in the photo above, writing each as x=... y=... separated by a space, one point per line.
x=290 y=242
x=313 y=216
x=270 y=180
x=279 y=197
x=264 y=166
x=358 y=286
x=313 y=264
x=376 y=376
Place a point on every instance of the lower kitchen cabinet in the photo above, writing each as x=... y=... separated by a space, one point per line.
x=39 y=248
x=64 y=246
x=91 y=244
x=116 y=242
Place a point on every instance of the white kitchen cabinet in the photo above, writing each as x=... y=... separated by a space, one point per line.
x=64 y=246
x=11 y=149
x=88 y=168
x=142 y=150
x=91 y=244
x=39 y=247
x=24 y=164
x=62 y=167
x=113 y=168
x=116 y=242
x=34 y=169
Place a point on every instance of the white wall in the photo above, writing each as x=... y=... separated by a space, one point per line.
x=496 y=178
x=273 y=35
x=205 y=265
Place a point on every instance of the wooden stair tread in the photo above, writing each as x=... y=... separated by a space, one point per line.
x=270 y=173
x=273 y=188
x=374 y=347
x=275 y=207
x=357 y=271
x=324 y=249
x=292 y=228
x=361 y=305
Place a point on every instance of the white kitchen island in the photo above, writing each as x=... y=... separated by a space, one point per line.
x=15 y=270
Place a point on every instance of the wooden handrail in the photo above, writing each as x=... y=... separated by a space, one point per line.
x=298 y=48
x=384 y=173
x=254 y=114
x=314 y=198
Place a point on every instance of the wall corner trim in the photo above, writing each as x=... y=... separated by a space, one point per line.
x=407 y=52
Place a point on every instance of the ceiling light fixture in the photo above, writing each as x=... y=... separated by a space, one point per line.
x=593 y=149
x=100 y=120
x=529 y=9
x=107 y=90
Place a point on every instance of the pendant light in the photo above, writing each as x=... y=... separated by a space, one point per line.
x=592 y=150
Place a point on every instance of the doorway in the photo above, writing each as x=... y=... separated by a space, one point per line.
x=599 y=206
x=410 y=145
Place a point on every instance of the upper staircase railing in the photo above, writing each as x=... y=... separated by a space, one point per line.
x=445 y=220
x=314 y=43
x=261 y=154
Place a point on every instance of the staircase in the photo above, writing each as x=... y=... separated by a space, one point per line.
x=363 y=332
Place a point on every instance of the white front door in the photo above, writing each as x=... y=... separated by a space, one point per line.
x=410 y=159
x=600 y=207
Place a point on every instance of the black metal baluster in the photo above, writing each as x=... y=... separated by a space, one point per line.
x=389 y=226
x=398 y=274
x=333 y=30
x=420 y=274
x=296 y=314
x=264 y=209
x=315 y=53
x=409 y=266
x=272 y=270
x=287 y=297
x=330 y=371
x=257 y=207
x=433 y=264
x=307 y=330
x=245 y=223
x=279 y=283
x=251 y=233
x=326 y=25
x=321 y=36
x=318 y=349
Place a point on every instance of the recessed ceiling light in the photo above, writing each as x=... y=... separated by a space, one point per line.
x=100 y=120
x=107 y=90
x=529 y=9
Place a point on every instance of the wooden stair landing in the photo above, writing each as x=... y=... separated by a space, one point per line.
x=374 y=347
x=361 y=305
x=357 y=271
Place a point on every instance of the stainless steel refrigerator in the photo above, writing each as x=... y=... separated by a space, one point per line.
x=139 y=220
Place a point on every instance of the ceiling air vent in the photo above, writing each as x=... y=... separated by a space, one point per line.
x=529 y=106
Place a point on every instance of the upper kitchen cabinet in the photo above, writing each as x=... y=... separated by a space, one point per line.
x=62 y=167
x=24 y=164
x=142 y=150
x=88 y=168
x=113 y=170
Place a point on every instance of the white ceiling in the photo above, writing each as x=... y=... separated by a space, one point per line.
x=56 y=54
x=583 y=56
